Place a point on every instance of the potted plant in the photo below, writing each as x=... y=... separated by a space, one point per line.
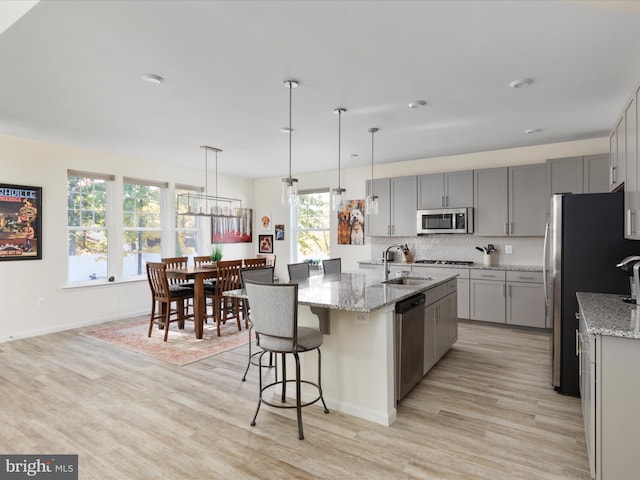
x=215 y=252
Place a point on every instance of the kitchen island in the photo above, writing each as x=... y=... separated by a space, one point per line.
x=357 y=313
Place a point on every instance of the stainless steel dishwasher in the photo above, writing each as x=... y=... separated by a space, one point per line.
x=409 y=343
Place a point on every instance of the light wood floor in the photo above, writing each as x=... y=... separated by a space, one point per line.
x=486 y=411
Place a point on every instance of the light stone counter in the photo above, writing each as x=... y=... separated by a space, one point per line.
x=606 y=314
x=511 y=268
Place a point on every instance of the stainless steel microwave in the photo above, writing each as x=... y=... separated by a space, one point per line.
x=445 y=220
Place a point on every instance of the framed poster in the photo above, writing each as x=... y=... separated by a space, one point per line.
x=20 y=222
x=266 y=225
x=351 y=223
x=265 y=243
x=232 y=228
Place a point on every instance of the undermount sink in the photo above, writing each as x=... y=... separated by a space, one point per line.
x=408 y=280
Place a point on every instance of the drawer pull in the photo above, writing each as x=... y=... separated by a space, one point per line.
x=527 y=278
x=487 y=276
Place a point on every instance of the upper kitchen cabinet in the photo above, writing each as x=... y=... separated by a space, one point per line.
x=588 y=174
x=527 y=205
x=397 y=200
x=617 y=163
x=510 y=201
x=445 y=190
x=632 y=180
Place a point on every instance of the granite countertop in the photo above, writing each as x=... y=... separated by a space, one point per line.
x=607 y=314
x=512 y=268
x=356 y=291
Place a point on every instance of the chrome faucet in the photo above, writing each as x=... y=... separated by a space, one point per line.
x=384 y=258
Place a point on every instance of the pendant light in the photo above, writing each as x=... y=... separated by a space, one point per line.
x=371 y=204
x=337 y=194
x=290 y=184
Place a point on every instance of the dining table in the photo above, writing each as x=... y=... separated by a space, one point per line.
x=198 y=275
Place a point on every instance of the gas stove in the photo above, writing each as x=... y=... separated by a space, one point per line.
x=445 y=262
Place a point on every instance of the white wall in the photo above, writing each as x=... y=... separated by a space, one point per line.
x=27 y=162
x=24 y=285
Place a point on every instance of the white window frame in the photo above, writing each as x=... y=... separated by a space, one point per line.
x=295 y=222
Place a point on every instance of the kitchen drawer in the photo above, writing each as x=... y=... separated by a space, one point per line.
x=497 y=275
x=529 y=277
x=441 y=291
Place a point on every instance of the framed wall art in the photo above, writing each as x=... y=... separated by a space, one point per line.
x=20 y=222
x=265 y=224
x=265 y=243
x=351 y=223
x=279 y=232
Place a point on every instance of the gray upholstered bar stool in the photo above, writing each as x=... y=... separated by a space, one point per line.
x=298 y=272
x=332 y=265
x=274 y=313
x=260 y=275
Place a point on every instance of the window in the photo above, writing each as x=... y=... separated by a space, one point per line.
x=313 y=231
x=87 y=226
x=187 y=227
x=142 y=226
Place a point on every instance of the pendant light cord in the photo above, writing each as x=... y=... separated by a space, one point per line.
x=339 y=142
x=290 y=129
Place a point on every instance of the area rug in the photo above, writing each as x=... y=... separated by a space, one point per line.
x=182 y=346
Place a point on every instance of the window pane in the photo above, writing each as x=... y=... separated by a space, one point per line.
x=141 y=206
x=86 y=216
x=140 y=247
x=313 y=229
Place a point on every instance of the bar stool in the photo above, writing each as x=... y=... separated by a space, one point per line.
x=274 y=313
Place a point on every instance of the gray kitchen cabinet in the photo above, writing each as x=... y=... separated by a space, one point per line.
x=527 y=205
x=618 y=168
x=462 y=283
x=584 y=174
x=609 y=389
x=525 y=299
x=596 y=173
x=613 y=155
x=632 y=181
x=510 y=201
x=397 y=200
x=445 y=190
x=441 y=323
x=487 y=295
x=491 y=212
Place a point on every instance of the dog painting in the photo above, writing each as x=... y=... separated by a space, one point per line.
x=351 y=223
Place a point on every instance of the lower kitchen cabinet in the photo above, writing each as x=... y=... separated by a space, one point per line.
x=525 y=299
x=610 y=388
x=462 y=283
x=487 y=295
x=441 y=323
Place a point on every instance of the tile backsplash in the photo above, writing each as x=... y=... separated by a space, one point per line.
x=525 y=250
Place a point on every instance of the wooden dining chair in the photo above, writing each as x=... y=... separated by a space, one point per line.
x=179 y=262
x=298 y=272
x=202 y=260
x=163 y=295
x=255 y=262
x=271 y=258
x=332 y=265
x=227 y=278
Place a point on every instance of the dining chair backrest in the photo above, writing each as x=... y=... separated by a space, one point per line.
x=258 y=275
x=201 y=260
x=158 y=282
x=176 y=262
x=332 y=265
x=228 y=275
x=274 y=311
x=271 y=258
x=255 y=262
x=298 y=272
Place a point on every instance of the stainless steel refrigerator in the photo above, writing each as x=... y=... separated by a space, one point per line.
x=583 y=243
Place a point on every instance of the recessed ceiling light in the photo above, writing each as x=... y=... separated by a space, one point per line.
x=417 y=104
x=532 y=130
x=352 y=155
x=152 y=78
x=286 y=129
x=521 y=83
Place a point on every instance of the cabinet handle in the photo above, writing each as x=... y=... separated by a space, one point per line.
x=578 y=316
x=577 y=342
x=629 y=222
x=509 y=291
x=526 y=278
x=487 y=276
x=506 y=228
x=442 y=200
x=504 y=290
x=614 y=174
x=511 y=227
x=446 y=200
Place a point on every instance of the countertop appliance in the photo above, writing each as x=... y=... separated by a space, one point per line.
x=628 y=266
x=409 y=341
x=445 y=262
x=584 y=242
x=445 y=220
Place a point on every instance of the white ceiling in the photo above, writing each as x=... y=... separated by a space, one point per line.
x=71 y=73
